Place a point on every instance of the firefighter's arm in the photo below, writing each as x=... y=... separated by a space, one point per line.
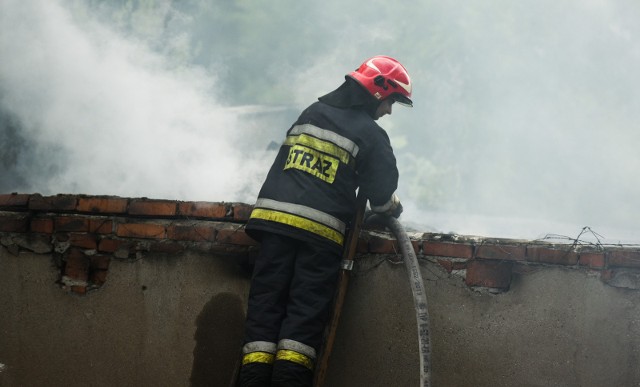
x=378 y=174
x=378 y=177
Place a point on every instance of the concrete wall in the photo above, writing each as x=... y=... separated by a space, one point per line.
x=158 y=321
x=176 y=320
x=104 y=291
x=554 y=327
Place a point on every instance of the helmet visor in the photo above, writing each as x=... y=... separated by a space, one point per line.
x=401 y=99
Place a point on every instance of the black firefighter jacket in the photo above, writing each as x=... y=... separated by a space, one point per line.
x=310 y=190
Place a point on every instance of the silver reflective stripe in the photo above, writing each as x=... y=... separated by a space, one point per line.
x=297 y=346
x=347 y=264
x=259 y=346
x=307 y=212
x=327 y=135
x=387 y=206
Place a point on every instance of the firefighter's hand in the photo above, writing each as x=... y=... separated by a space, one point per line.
x=395 y=209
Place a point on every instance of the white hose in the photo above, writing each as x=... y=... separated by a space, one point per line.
x=419 y=298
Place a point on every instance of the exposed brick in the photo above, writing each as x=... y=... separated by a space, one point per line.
x=98 y=277
x=53 y=203
x=100 y=225
x=42 y=225
x=14 y=222
x=460 y=265
x=506 y=252
x=152 y=207
x=103 y=205
x=141 y=230
x=82 y=240
x=99 y=262
x=446 y=264
x=553 y=256
x=592 y=260
x=71 y=223
x=76 y=266
x=623 y=258
x=416 y=246
x=98 y=269
x=194 y=233
x=380 y=245
x=14 y=201
x=235 y=236
x=441 y=249
x=450 y=265
x=203 y=209
x=490 y=274
x=241 y=211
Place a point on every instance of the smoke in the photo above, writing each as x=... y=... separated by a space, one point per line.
x=90 y=111
x=530 y=118
x=526 y=117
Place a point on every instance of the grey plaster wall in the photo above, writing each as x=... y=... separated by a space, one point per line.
x=157 y=321
x=177 y=321
x=554 y=327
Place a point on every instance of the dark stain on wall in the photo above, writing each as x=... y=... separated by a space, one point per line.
x=219 y=333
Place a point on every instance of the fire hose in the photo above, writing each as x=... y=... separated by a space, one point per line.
x=419 y=297
x=417 y=289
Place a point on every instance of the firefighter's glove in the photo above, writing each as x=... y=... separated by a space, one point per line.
x=397 y=211
x=394 y=208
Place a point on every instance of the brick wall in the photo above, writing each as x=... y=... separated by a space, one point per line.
x=84 y=233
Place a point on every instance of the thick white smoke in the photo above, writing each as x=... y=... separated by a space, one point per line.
x=111 y=118
x=526 y=117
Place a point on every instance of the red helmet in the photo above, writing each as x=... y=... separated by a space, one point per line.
x=384 y=77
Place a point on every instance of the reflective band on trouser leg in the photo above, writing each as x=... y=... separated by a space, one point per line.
x=296 y=352
x=297 y=346
x=295 y=357
x=258 y=352
x=258 y=357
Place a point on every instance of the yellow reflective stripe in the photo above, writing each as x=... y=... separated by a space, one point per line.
x=299 y=222
x=303 y=211
x=258 y=357
x=295 y=357
x=320 y=145
x=297 y=347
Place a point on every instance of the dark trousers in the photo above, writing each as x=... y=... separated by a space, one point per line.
x=292 y=289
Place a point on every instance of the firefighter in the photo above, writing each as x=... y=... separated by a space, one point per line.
x=301 y=215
